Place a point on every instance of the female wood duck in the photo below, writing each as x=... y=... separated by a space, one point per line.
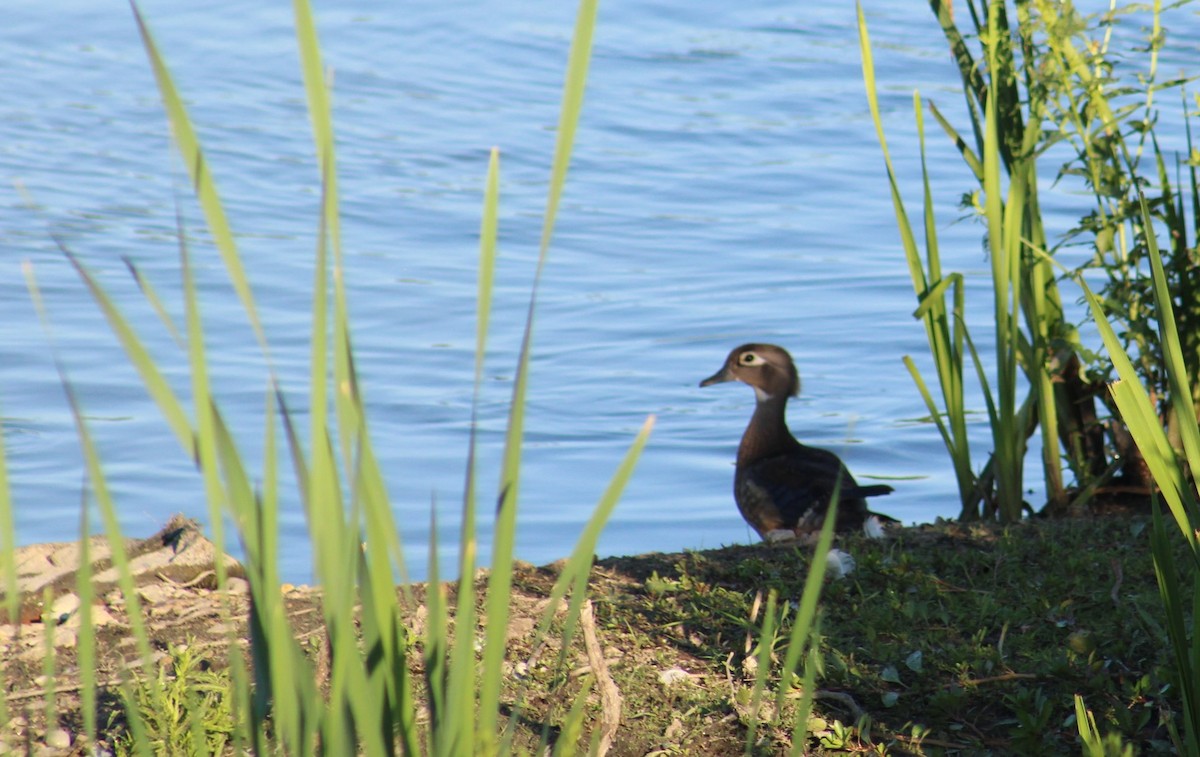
x=782 y=487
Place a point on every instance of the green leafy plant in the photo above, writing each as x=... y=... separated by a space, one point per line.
x=1037 y=77
x=185 y=709
x=1177 y=489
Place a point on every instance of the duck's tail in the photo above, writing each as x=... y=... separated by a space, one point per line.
x=874 y=490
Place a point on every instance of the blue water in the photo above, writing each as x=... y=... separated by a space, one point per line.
x=727 y=186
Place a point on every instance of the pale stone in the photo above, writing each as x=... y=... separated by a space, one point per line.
x=64 y=606
x=58 y=738
x=153 y=594
x=779 y=536
x=673 y=676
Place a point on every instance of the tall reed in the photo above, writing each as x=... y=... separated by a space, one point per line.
x=369 y=704
x=1029 y=85
x=945 y=328
x=1023 y=292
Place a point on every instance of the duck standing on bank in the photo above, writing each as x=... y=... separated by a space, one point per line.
x=782 y=487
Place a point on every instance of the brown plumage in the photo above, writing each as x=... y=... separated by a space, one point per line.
x=781 y=485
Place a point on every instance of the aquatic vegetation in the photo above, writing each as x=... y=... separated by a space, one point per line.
x=1044 y=82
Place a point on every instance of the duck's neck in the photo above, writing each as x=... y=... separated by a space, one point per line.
x=767 y=434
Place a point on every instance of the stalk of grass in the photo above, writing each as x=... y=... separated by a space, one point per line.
x=197 y=167
x=804 y=633
x=1027 y=308
x=461 y=688
x=151 y=294
x=85 y=649
x=801 y=644
x=1004 y=249
x=49 y=658
x=1093 y=744
x=503 y=535
x=1018 y=140
x=99 y=486
x=762 y=667
x=944 y=326
x=572 y=728
x=355 y=544
x=453 y=693
x=8 y=568
x=1167 y=467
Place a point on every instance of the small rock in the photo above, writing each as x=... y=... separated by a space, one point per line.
x=64 y=606
x=674 y=730
x=750 y=666
x=839 y=564
x=520 y=628
x=672 y=676
x=102 y=617
x=153 y=594
x=58 y=738
x=779 y=536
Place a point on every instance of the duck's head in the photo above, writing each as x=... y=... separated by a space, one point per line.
x=767 y=368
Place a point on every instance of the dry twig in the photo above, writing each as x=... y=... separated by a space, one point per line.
x=610 y=696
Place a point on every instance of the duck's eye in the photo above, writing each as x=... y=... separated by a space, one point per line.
x=749 y=358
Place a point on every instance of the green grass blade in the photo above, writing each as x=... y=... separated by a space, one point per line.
x=49 y=660
x=968 y=155
x=1143 y=423
x=202 y=179
x=99 y=487
x=1172 y=349
x=442 y=738
x=1088 y=734
x=573 y=576
x=806 y=612
x=1183 y=641
x=907 y=238
x=461 y=686
x=766 y=645
x=151 y=295
x=572 y=105
x=206 y=421
x=572 y=726
x=575 y=572
x=8 y=567
x=934 y=297
x=945 y=339
x=808 y=687
x=934 y=413
x=156 y=384
x=262 y=560
x=488 y=232
x=85 y=651
x=500 y=580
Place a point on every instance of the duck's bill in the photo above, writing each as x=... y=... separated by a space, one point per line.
x=719 y=377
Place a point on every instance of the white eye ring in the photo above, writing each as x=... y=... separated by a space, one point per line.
x=750 y=358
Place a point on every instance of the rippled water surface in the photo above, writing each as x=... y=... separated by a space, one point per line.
x=727 y=187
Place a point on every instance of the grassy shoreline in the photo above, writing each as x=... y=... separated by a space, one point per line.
x=947 y=639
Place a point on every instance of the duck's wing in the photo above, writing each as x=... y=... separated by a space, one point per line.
x=793 y=491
